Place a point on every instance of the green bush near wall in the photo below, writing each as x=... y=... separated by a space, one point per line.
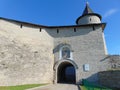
x=92 y=86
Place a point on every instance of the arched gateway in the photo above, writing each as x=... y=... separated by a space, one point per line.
x=65 y=71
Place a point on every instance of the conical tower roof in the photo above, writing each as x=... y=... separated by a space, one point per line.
x=87 y=10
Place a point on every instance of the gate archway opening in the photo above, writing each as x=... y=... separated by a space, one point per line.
x=66 y=73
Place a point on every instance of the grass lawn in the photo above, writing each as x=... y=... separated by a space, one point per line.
x=20 y=87
x=91 y=88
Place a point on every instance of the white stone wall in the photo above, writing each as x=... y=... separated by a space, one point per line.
x=26 y=55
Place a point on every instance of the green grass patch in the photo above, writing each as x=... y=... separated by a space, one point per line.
x=20 y=87
x=93 y=88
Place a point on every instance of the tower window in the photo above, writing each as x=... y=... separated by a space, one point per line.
x=21 y=26
x=57 y=30
x=74 y=29
x=93 y=28
x=40 y=29
x=90 y=19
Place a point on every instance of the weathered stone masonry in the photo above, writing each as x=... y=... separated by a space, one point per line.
x=31 y=53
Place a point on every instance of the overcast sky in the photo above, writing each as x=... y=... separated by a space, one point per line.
x=65 y=12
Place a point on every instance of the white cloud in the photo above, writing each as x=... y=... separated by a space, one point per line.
x=110 y=12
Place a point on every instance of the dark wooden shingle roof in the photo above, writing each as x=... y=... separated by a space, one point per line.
x=87 y=10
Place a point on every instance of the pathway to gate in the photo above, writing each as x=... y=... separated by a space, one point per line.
x=57 y=87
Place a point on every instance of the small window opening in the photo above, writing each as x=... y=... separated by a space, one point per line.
x=40 y=29
x=74 y=29
x=57 y=30
x=21 y=26
x=93 y=28
x=90 y=19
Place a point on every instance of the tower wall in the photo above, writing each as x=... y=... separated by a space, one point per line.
x=89 y=19
x=87 y=48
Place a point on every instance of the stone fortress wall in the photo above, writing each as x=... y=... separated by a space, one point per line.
x=26 y=55
x=27 y=52
x=87 y=48
x=31 y=54
x=111 y=77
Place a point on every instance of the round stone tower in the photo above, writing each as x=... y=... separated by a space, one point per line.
x=88 y=17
